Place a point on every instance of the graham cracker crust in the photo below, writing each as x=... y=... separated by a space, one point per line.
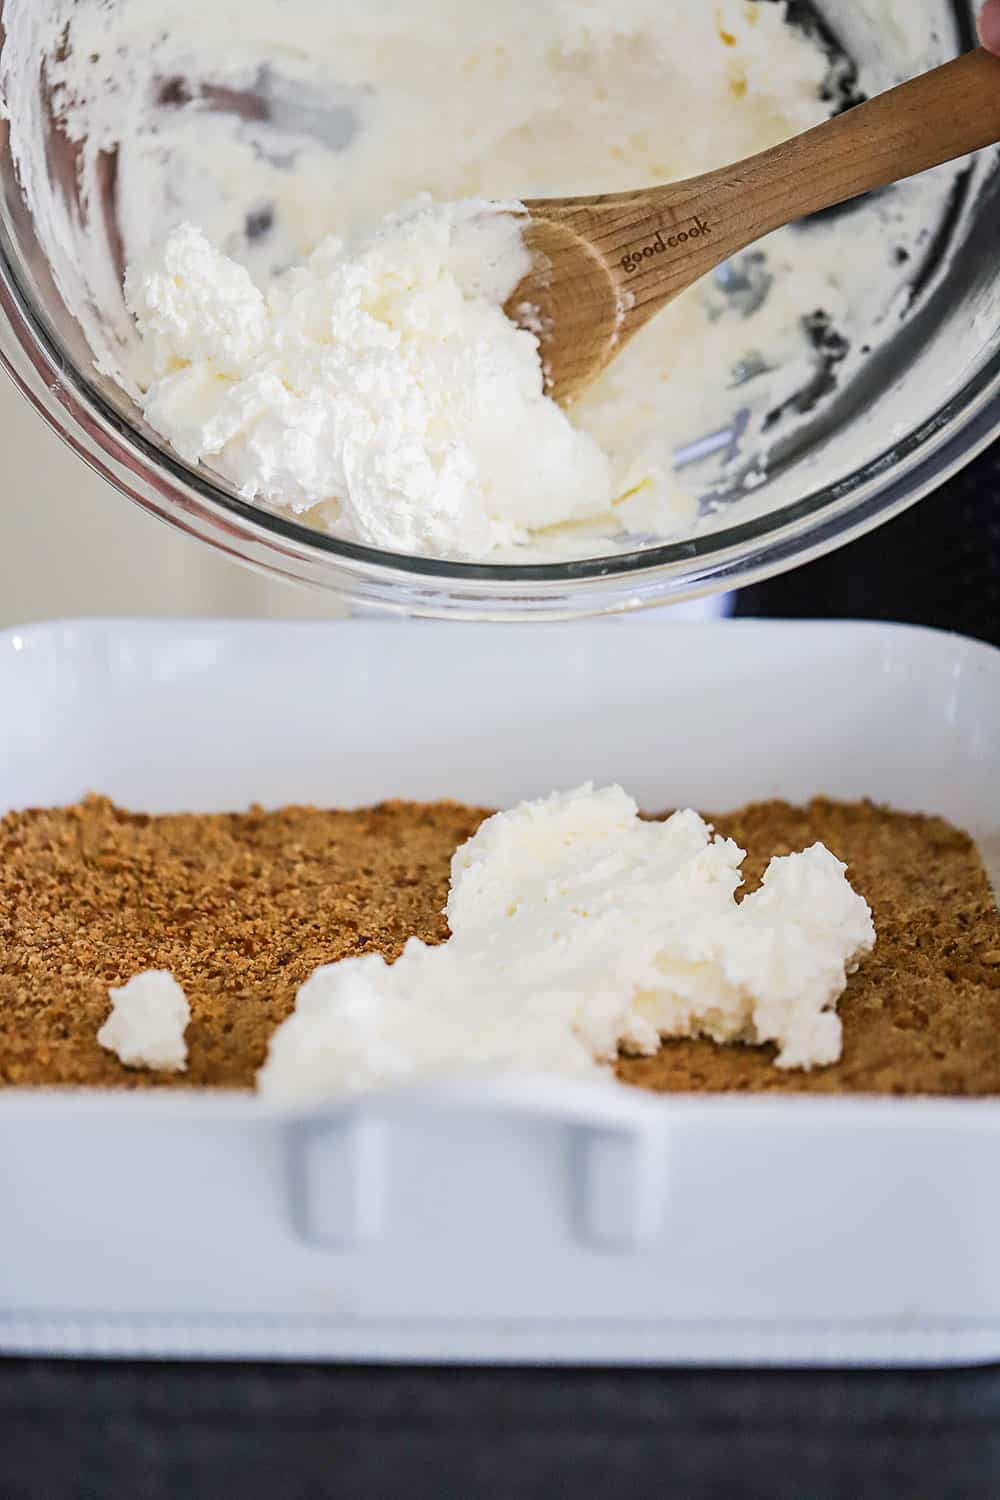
x=242 y=907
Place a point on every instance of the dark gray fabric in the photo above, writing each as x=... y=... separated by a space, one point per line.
x=939 y=564
x=170 y=1432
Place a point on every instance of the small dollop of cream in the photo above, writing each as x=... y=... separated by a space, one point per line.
x=579 y=928
x=378 y=389
x=149 y=1016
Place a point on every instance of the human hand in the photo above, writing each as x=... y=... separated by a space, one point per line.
x=989 y=25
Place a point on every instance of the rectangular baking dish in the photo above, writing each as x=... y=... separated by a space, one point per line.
x=524 y=1219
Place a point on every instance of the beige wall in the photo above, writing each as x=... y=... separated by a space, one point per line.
x=70 y=545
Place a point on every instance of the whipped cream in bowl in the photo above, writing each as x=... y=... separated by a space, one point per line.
x=377 y=390
x=253 y=264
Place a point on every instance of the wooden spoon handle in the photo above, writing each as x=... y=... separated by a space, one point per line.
x=944 y=114
x=605 y=265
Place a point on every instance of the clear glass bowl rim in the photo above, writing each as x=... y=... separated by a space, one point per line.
x=189 y=499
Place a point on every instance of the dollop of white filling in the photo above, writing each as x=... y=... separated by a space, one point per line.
x=579 y=928
x=380 y=382
x=149 y=1016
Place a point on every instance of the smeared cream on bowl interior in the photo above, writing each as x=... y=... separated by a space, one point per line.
x=315 y=291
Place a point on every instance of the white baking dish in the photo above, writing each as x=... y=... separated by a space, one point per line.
x=524 y=1219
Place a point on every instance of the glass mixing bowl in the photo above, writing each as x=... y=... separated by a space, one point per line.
x=907 y=419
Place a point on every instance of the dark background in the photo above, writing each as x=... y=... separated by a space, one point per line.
x=938 y=564
x=79 y=1431
x=132 y=1432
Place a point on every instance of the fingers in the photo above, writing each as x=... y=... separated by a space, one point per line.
x=989 y=25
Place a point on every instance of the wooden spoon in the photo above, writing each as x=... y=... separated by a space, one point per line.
x=603 y=266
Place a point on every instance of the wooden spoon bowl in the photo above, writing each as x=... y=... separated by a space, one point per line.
x=604 y=266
